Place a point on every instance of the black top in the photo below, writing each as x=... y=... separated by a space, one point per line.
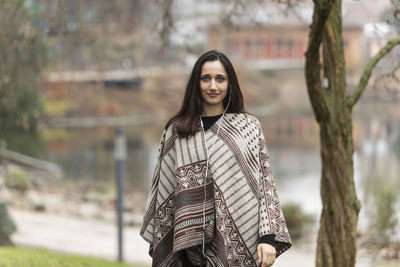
x=208 y=121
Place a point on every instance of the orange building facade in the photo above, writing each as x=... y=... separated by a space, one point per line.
x=283 y=45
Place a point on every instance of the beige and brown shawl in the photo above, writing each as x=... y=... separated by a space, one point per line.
x=241 y=201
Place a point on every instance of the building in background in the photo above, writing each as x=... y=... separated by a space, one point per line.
x=276 y=36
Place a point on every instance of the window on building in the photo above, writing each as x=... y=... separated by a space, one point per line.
x=258 y=47
x=290 y=46
x=278 y=48
x=300 y=49
x=247 y=49
x=268 y=48
x=235 y=48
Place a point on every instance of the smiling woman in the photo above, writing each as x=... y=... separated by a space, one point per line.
x=214 y=86
x=213 y=201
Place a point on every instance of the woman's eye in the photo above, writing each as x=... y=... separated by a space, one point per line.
x=220 y=79
x=205 y=78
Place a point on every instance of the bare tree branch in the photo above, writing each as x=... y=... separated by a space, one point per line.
x=396 y=13
x=167 y=21
x=362 y=84
x=389 y=80
x=232 y=9
x=321 y=12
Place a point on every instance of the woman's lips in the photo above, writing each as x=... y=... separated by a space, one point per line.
x=212 y=94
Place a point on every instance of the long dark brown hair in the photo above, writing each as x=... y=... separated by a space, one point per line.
x=187 y=119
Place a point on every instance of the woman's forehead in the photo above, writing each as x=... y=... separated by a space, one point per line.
x=213 y=67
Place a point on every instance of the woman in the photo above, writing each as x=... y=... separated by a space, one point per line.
x=213 y=201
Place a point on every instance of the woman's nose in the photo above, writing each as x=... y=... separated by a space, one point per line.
x=213 y=84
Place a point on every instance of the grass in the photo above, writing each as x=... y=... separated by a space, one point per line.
x=392 y=264
x=29 y=257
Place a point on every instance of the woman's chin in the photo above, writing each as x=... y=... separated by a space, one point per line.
x=214 y=104
x=213 y=101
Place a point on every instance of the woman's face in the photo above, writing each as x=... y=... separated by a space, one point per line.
x=213 y=84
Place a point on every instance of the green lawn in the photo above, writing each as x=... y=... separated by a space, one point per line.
x=28 y=257
x=390 y=264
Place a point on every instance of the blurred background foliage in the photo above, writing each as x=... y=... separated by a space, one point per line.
x=23 y=54
x=384 y=221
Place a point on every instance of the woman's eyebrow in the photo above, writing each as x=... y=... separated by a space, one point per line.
x=217 y=75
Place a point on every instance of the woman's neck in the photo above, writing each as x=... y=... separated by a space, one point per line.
x=209 y=111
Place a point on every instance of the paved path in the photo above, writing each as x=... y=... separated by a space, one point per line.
x=77 y=236
x=98 y=239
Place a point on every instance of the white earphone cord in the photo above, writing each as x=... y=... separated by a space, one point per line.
x=207 y=162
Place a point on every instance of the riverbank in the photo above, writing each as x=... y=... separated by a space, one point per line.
x=75 y=200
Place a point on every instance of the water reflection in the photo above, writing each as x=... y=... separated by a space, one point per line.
x=297 y=176
x=379 y=161
x=24 y=142
x=88 y=157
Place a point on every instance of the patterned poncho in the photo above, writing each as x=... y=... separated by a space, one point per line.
x=237 y=199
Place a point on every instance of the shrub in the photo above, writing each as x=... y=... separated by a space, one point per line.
x=297 y=220
x=383 y=220
x=7 y=226
x=17 y=180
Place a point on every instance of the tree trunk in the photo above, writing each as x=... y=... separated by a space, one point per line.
x=338 y=222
